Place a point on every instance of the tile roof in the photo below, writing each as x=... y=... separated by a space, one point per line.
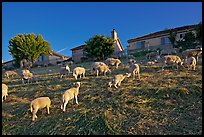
x=161 y=33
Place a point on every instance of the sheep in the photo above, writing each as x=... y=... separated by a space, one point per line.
x=4 y=91
x=102 y=69
x=191 y=62
x=150 y=63
x=64 y=71
x=10 y=73
x=134 y=69
x=39 y=103
x=28 y=77
x=192 y=53
x=171 y=59
x=168 y=52
x=79 y=71
x=69 y=95
x=117 y=79
x=113 y=62
x=152 y=55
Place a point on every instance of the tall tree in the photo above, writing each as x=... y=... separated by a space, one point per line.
x=172 y=38
x=198 y=30
x=99 y=47
x=28 y=46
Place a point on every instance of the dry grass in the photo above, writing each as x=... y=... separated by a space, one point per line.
x=161 y=103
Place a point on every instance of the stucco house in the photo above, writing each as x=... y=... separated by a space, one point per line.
x=157 y=39
x=78 y=52
x=51 y=59
x=42 y=60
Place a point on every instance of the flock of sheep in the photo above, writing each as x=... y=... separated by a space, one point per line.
x=190 y=57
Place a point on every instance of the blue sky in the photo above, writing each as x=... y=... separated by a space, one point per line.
x=70 y=24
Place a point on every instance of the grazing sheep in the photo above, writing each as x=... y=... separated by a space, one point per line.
x=113 y=62
x=150 y=63
x=79 y=71
x=134 y=69
x=64 y=71
x=102 y=69
x=69 y=95
x=152 y=55
x=10 y=73
x=191 y=62
x=131 y=61
x=170 y=60
x=39 y=103
x=192 y=53
x=27 y=76
x=117 y=79
x=4 y=91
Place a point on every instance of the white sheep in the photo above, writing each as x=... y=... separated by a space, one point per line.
x=192 y=53
x=79 y=71
x=102 y=69
x=191 y=62
x=4 y=91
x=64 y=71
x=150 y=63
x=134 y=69
x=10 y=73
x=113 y=62
x=28 y=77
x=117 y=79
x=170 y=60
x=69 y=95
x=39 y=103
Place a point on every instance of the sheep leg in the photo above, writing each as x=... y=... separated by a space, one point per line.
x=138 y=75
x=62 y=105
x=115 y=85
x=80 y=75
x=119 y=83
x=97 y=73
x=34 y=114
x=104 y=73
x=48 y=110
x=194 y=67
x=65 y=104
x=76 y=100
x=83 y=75
x=110 y=84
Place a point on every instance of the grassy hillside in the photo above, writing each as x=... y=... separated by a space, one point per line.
x=160 y=103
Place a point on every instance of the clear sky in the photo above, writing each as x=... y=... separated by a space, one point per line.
x=70 y=24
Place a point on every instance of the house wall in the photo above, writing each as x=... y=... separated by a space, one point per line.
x=154 y=43
x=77 y=55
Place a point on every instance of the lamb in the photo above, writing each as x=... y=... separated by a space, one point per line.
x=113 y=62
x=117 y=79
x=79 y=71
x=10 y=73
x=171 y=59
x=64 y=71
x=28 y=77
x=69 y=95
x=134 y=69
x=39 y=103
x=150 y=63
x=102 y=69
x=192 y=53
x=152 y=55
x=191 y=62
x=4 y=91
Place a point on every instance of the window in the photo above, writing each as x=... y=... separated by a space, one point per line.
x=165 y=41
x=181 y=36
x=140 y=44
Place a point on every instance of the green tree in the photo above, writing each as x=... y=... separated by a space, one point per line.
x=99 y=47
x=198 y=30
x=188 y=42
x=172 y=38
x=28 y=46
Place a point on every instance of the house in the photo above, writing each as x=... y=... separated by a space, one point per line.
x=53 y=59
x=157 y=39
x=8 y=64
x=78 y=53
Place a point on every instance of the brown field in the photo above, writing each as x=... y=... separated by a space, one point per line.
x=160 y=103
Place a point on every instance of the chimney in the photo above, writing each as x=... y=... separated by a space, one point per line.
x=114 y=34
